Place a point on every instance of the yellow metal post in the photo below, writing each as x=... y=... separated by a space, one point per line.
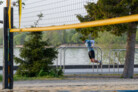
x=9 y=14
x=6 y=3
x=20 y=12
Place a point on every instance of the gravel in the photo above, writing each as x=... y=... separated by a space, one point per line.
x=75 y=85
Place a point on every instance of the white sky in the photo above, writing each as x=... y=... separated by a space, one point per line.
x=56 y=12
x=1 y=12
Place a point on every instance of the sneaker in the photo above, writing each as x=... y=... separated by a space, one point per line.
x=100 y=63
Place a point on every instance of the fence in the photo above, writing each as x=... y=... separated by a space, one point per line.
x=114 y=65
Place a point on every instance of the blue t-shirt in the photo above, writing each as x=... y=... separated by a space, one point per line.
x=89 y=44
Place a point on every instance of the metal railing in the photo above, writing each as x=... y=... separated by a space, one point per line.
x=61 y=60
x=116 y=53
x=116 y=60
x=113 y=66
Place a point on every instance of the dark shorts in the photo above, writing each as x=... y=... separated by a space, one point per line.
x=91 y=54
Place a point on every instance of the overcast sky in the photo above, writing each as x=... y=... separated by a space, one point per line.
x=56 y=12
x=1 y=12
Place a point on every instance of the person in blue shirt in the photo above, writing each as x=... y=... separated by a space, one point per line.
x=90 y=44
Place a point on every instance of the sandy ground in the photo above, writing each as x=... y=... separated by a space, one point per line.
x=75 y=85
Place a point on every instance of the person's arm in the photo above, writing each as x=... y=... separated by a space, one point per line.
x=85 y=44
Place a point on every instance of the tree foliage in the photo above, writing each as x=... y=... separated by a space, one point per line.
x=19 y=39
x=104 y=9
x=62 y=37
x=35 y=59
x=1 y=2
x=69 y=37
x=106 y=39
x=34 y=56
x=137 y=36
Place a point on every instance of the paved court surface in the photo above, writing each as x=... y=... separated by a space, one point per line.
x=75 y=85
x=97 y=71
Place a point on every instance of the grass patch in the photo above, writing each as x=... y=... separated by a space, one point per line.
x=20 y=78
x=0 y=78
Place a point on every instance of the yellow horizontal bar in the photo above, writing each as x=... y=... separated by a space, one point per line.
x=118 y=20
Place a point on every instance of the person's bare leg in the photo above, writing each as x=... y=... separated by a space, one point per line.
x=94 y=61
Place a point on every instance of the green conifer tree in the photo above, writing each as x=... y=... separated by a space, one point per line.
x=35 y=57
